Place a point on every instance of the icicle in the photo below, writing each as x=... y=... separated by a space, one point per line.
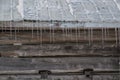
x=108 y=32
x=32 y=29
x=15 y=34
x=18 y=29
x=70 y=33
x=40 y=30
x=116 y=36
x=14 y=27
x=63 y=35
x=79 y=33
x=3 y=21
x=85 y=34
x=102 y=37
x=37 y=22
x=41 y=34
x=92 y=35
x=24 y=27
x=53 y=33
x=11 y=18
x=89 y=36
x=119 y=35
x=65 y=32
x=76 y=30
x=37 y=30
x=105 y=34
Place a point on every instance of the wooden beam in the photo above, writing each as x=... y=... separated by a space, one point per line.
x=59 y=36
x=58 y=50
x=59 y=72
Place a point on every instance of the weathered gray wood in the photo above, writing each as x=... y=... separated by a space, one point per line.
x=73 y=77
x=70 y=56
x=62 y=50
x=20 y=72
x=60 y=36
x=59 y=72
x=58 y=63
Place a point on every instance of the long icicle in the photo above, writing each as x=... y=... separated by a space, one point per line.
x=53 y=33
x=92 y=36
x=70 y=33
x=41 y=31
x=50 y=32
x=79 y=33
x=33 y=25
x=32 y=29
x=37 y=22
x=105 y=34
x=41 y=34
x=119 y=35
x=11 y=18
x=66 y=31
x=102 y=37
x=89 y=36
x=15 y=31
x=2 y=24
x=116 y=36
x=76 y=34
x=63 y=33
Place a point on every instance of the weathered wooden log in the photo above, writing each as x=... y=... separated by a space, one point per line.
x=58 y=72
x=65 y=63
x=59 y=50
x=60 y=36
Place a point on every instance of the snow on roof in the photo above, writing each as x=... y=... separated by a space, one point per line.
x=93 y=11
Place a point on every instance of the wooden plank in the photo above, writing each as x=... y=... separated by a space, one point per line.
x=69 y=63
x=58 y=72
x=26 y=37
x=59 y=50
x=73 y=77
x=47 y=28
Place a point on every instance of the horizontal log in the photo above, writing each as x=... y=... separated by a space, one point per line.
x=64 y=77
x=20 y=72
x=62 y=36
x=55 y=56
x=58 y=50
x=69 y=63
x=55 y=28
x=58 y=72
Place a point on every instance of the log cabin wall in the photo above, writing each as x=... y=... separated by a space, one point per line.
x=46 y=47
x=25 y=55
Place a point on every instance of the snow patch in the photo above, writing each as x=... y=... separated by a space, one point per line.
x=71 y=10
x=117 y=4
x=20 y=8
x=70 y=7
x=68 y=1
